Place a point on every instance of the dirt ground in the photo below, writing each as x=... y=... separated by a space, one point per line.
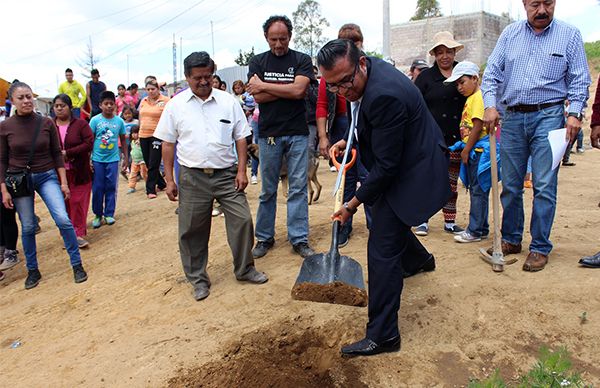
x=135 y=323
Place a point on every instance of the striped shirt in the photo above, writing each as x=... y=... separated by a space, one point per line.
x=530 y=69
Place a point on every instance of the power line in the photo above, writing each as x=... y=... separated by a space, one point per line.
x=54 y=49
x=153 y=30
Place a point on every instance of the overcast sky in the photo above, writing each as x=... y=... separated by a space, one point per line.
x=43 y=37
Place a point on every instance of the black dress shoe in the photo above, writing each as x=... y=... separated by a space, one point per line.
x=367 y=347
x=591 y=261
x=428 y=266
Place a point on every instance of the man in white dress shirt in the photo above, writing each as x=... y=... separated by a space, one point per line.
x=206 y=123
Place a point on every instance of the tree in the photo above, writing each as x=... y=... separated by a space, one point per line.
x=427 y=9
x=244 y=57
x=89 y=60
x=374 y=54
x=308 y=27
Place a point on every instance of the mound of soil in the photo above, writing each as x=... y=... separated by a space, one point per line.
x=337 y=293
x=283 y=355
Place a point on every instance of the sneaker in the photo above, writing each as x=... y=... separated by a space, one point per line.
x=82 y=243
x=453 y=228
x=10 y=259
x=262 y=247
x=580 y=150
x=97 y=222
x=466 y=237
x=303 y=249
x=422 y=230
x=109 y=220
x=253 y=180
x=33 y=279
x=131 y=190
x=79 y=274
x=332 y=169
x=344 y=237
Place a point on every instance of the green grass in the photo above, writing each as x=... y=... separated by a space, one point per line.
x=553 y=369
x=592 y=50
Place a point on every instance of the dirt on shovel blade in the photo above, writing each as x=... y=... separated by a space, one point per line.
x=336 y=292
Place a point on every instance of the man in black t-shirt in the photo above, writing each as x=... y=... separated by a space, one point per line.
x=278 y=80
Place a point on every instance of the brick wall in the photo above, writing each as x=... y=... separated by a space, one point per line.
x=478 y=31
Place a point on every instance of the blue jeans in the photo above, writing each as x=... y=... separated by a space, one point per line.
x=47 y=185
x=104 y=188
x=524 y=135
x=478 y=214
x=295 y=149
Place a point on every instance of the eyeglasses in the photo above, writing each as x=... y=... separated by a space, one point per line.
x=334 y=88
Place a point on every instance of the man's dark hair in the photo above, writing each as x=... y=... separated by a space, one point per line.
x=94 y=72
x=64 y=98
x=337 y=49
x=14 y=86
x=107 y=95
x=278 y=18
x=68 y=70
x=198 y=59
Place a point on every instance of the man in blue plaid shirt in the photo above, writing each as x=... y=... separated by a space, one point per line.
x=537 y=65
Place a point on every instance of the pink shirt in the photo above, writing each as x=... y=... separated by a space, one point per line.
x=62 y=130
x=122 y=101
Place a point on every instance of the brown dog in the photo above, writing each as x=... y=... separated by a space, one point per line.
x=313 y=166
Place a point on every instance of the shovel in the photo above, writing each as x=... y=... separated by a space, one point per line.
x=497 y=259
x=329 y=277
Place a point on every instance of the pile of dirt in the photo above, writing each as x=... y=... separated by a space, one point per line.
x=336 y=292
x=287 y=354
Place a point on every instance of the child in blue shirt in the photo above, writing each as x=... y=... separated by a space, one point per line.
x=108 y=129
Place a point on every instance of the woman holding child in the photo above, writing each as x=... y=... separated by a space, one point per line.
x=151 y=108
x=446 y=105
x=76 y=142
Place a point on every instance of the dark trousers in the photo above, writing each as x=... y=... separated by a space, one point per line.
x=197 y=192
x=392 y=249
x=9 y=231
x=152 y=151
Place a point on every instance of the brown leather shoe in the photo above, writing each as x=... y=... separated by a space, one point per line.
x=535 y=262
x=507 y=249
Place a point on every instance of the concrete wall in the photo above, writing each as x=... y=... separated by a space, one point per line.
x=478 y=31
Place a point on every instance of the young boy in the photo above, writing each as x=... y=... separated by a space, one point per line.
x=137 y=160
x=475 y=141
x=107 y=129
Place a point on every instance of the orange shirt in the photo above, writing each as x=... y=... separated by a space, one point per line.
x=150 y=114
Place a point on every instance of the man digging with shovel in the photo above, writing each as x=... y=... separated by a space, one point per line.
x=398 y=141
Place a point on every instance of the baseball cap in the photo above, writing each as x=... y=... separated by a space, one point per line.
x=419 y=64
x=462 y=68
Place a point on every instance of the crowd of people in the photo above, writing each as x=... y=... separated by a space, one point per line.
x=415 y=137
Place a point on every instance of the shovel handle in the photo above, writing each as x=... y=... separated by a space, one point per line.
x=337 y=164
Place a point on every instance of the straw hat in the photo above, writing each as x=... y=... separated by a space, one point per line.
x=445 y=38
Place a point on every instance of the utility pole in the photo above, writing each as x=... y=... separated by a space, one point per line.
x=212 y=34
x=386 y=29
x=174 y=63
x=180 y=57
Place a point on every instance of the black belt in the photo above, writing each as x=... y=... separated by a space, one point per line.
x=532 y=108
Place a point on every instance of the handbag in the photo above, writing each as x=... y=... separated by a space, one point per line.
x=18 y=183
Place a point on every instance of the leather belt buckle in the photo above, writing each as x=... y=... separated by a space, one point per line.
x=208 y=171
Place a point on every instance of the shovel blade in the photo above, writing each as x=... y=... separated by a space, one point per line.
x=327 y=279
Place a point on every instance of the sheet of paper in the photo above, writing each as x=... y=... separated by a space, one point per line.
x=558 y=144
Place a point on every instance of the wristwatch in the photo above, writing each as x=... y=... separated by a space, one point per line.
x=578 y=116
x=350 y=210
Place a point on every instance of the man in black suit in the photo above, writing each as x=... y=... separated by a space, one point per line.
x=403 y=149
